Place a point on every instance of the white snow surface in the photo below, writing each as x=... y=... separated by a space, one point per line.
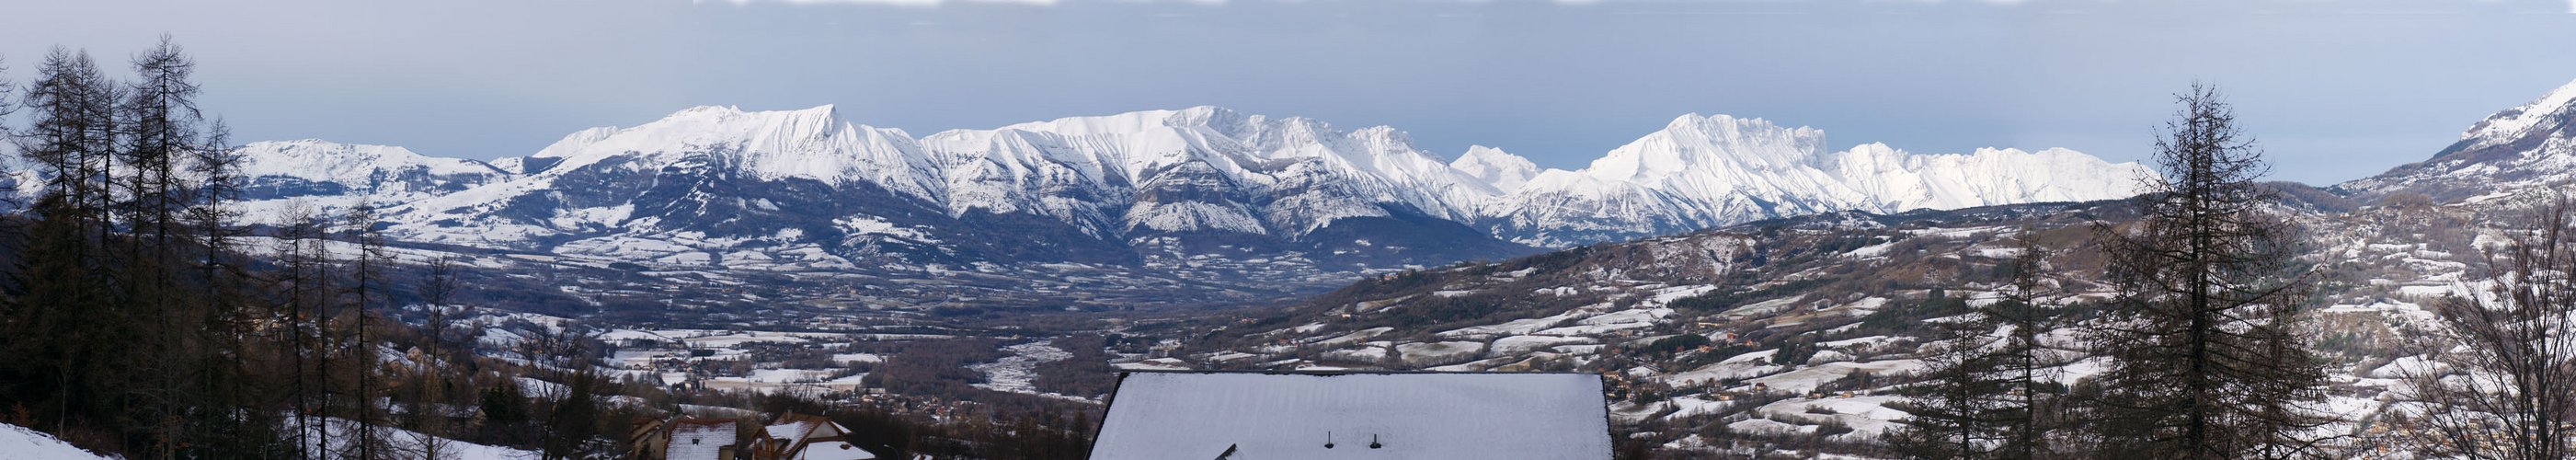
x=2527 y=146
x=341 y=431
x=1703 y=171
x=21 y=443
x=1414 y=416
x=1017 y=373
x=357 y=165
x=835 y=450
x=2518 y=121
x=384 y=176
x=1100 y=174
x=1503 y=170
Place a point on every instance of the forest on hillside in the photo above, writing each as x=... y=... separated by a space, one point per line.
x=142 y=318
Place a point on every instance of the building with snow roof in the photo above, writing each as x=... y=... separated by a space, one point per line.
x=1253 y=415
x=806 y=437
x=699 y=439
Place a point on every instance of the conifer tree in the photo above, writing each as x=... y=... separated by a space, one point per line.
x=2025 y=364
x=574 y=420
x=295 y=312
x=437 y=285
x=1954 y=415
x=8 y=106
x=162 y=127
x=62 y=336
x=216 y=166
x=159 y=124
x=366 y=276
x=2208 y=361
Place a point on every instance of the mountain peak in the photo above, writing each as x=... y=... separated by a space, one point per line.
x=2518 y=147
x=1128 y=122
x=1208 y=168
x=1697 y=119
x=1505 y=171
x=1695 y=141
x=2550 y=112
x=320 y=160
x=324 y=150
x=727 y=112
x=1719 y=122
x=1479 y=154
x=1741 y=135
x=1201 y=111
x=1383 y=134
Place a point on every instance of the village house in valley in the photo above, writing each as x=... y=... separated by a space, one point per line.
x=791 y=436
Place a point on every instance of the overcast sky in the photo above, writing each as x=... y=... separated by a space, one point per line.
x=2335 y=90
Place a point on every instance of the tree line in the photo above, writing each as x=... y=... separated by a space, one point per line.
x=142 y=316
x=139 y=316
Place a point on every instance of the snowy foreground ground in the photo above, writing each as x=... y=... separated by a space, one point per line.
x=400 y=440
x=20 y=443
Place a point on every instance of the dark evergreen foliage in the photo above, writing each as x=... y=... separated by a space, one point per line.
x=1987 y=391
x=137 y=325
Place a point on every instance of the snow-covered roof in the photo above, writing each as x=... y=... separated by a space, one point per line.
x=1195 y=415
x=811 y=437
x=790 y=431
x=834 y=450
x=700 y=439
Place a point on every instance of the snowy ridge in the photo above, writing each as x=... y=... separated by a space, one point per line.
x=1328 y=173
x=1212 y=169
x=2530 y=145
x=328 y=178
x=1902 y=181
x=2549 y=112
x=723 y=187
x=811 y=143
x=1705 y=171
x=355 y=165
x=1504 y=171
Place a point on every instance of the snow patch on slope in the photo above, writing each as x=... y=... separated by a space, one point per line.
x=20 y=443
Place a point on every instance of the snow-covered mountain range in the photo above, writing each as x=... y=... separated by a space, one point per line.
x=1203 y=189
x=1707 y=171
x=329 y=176
x=2530 y=145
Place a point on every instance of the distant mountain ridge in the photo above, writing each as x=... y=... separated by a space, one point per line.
x=1204 y=192
x=1707 y=171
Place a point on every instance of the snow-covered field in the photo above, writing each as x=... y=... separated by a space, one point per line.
x=338 y=432
x=1017 y=373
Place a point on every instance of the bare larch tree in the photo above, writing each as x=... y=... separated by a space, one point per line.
x=2208 y=361
x=2505 y=384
